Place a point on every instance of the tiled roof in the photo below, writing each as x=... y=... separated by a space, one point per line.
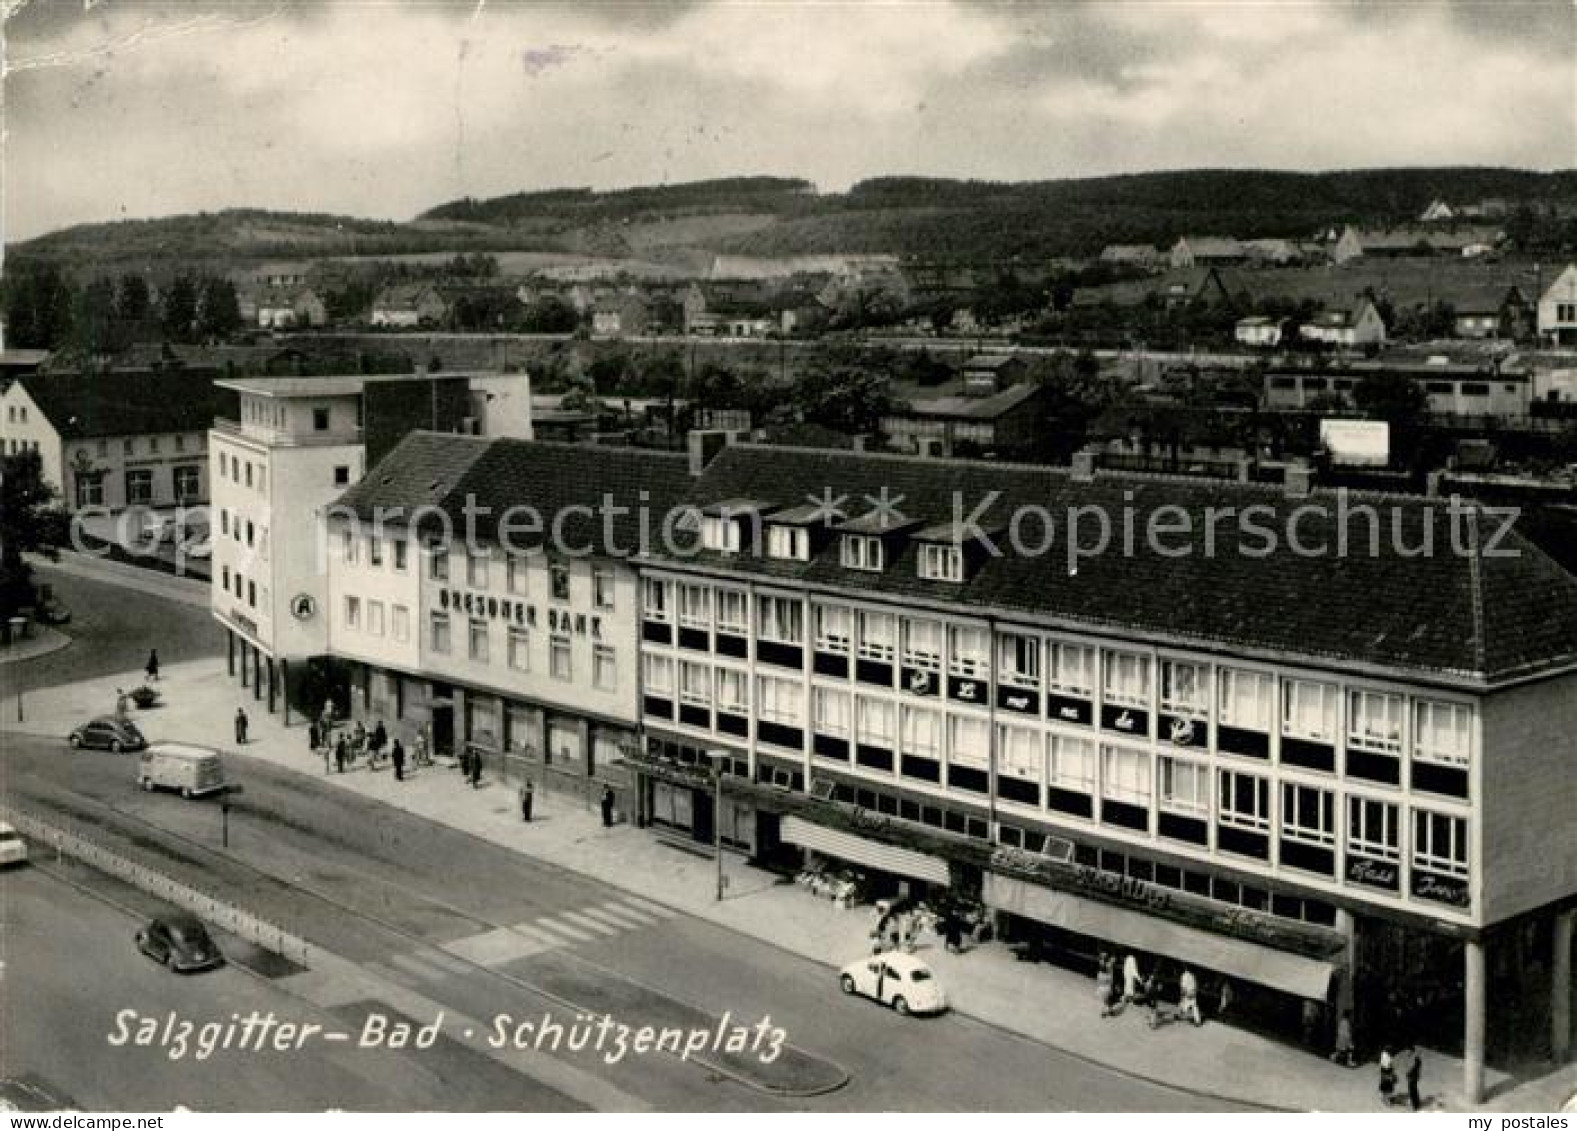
x=421 y=471
x=81 y=405
x=1479 y=617
x=971 y=408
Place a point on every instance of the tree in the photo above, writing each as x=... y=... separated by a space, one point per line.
x=93 y=322
x=550 y=315
x=580 y=395
x=179 y=308
x=1389 y=397
x=38 y=305
x=31 y=521
x=218 y=309
x=849 y=399
x=132 y=300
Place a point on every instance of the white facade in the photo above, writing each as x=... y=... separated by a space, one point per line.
x=1558 y=309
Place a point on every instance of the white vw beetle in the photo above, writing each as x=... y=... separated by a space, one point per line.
x=896 y=979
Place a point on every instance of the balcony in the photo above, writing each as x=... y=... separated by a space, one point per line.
x=277 y=438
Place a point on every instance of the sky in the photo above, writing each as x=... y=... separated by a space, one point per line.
x=125 y=109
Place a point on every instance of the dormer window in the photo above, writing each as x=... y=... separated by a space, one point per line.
x=720 y=534
x=862 y=551
x=941 y=562
x=790 y=543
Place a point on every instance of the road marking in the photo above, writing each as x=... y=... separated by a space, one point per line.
x=547 y=939
x=590 y=924
x=613 y=920
x=494 y=948
x=572 y=933
x=422 y=968
x=440 y=958
x=390 y=974
x=649 y=907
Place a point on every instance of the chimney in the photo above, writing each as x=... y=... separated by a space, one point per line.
x=1299 y=480
x=1432 y=483
x=703 y=446
x=1083 y=466
x=859 y=443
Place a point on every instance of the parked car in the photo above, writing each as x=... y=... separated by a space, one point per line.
x=47 y=608
x=179 y=942
x=13 y=849
x=896 y=979
x=107 y=732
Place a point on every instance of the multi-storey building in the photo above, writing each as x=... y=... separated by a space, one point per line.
x=1318 y=761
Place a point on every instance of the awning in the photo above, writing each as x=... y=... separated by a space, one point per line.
x=1265 y=966
x=858 y=850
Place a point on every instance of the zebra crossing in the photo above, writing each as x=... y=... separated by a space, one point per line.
x=500 y=945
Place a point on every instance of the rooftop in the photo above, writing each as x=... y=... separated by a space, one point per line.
x=971 y=408
x=82 y=405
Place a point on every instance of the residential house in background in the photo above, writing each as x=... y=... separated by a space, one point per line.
x=1489 y=312
x=1437 y=212
x=1470 y=241
x=988 y=373
x=1139 y=255
x=620 y=314
x=1208 y=251
x=289 y=307
x=1259 y=331
x=1558 y=310
x=409 y=305
x=1448 y=388
x=1357 y=326
x=1004 y=422
x=116 y=440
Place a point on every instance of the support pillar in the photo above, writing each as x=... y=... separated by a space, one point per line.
x=230 y=653
x=284 y=690
x=1473 y=1030
x=1561 y=987
x=246 y=653
x=271 y=687
x=257 y=674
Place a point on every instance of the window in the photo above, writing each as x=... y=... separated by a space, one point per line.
x=478 y=640
x=341 y=475
x=90 y=492
x=695 y=606
x=187 y=483
x=830 y=711
x=439 y=632
x=1373 y=829
x=399 y=555
x=1308 y=814
x=558 y=581
x=518 y=649
x=375 y=618
x=834 y=628
x=861 y=551
x=1564 y=312
x=732 y=614
x=1440 y=842
x=695 y=684
x=476 y=568
x=128 y=447
x=1020 y=752
x=1247 y=699
x=658 y=672
x=180 y=443
x=1125 y=775
x=320 y=420
x=779 y=620
x=922 y=644
x=248 y=473
x=153 y=444
x=969 y=742
x=1070 y=669
x=779 y=700
x=604 y=668
x=791 y=543
x=225 y=582
x=1308 y=710
x=602 y=588
x=352 y=612
x=516 y=570
x=654 y=599
x=1442 y=733
x=876 y=725
x=1018 y=660
x=1185 y=787
x=559 y=663
x=876 y=637
x=375 y=551
x=1244 y=801
x=733 y=691
x=438 y=561
x=139 y=486
x=921 y=732
x=720 y=534
x=969 y=651
x=1374 y=721
x=1071 y=764
x=1128 y=679
x=941 y=563
x=400 y=622
x=349 y=547
x=251 y=532
x=1185 y=689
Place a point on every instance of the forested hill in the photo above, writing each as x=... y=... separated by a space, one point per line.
x=919 y=216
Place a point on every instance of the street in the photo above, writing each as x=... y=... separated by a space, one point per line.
x=480 y=931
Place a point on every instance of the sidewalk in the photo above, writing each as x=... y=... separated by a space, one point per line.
x=1038 y=1001
x=40 y=640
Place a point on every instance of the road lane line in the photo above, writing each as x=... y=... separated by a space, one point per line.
x=623 y=911
x=591 y=924
x=612 y=920
x=572 y=933
x=545 y=938
x=422 y=968
x=649 y=907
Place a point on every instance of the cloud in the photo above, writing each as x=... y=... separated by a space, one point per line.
x=384 y=109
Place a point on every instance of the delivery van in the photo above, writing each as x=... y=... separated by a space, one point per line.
x=193 y=770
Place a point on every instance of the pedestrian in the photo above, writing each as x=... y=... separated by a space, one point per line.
x=607 y=806
x=1131 y=979
x=1104 y=977
x=527 y=796
x=463 y=760
x=1224 y=997
x=1415 y=1071
x=1387 y=1077
x=120 y=703
x=1311 y=1023
x=314 y=736
x=1188 y=998
x=1344 y=1053
x=397 y=756
x=953 y=931
x=476 y=769
x=423 y=758
x=152 y=668
x=380 y=737
x=341 y=754
x=240 y=726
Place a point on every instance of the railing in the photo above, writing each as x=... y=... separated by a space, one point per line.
x=276 y=438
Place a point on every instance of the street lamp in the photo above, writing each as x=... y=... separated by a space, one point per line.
x=719 y=759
